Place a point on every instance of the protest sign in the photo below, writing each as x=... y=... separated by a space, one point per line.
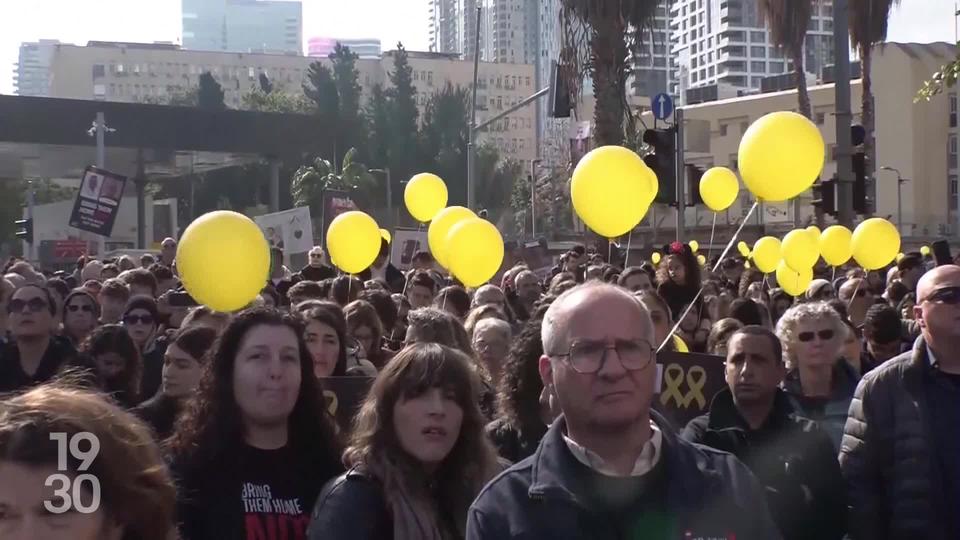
x=686 y=384
x=98 y=200
x=406 y=243
x=343 y=397
x=291 y=231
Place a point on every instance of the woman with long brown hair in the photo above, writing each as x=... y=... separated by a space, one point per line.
x=120 y=491
x=418 y=455
x=117 y=363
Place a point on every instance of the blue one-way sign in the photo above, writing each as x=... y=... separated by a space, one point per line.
x=662 y=105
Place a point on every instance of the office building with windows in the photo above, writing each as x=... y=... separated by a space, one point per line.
x=322 y=47
x=271 y=26
x=724 y=44
x=32 y=74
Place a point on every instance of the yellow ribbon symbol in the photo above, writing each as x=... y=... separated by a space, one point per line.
x=673 y=377
x=332 y=404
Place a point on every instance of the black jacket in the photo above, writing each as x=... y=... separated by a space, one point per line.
x=893 y=479
x=790 y=456
x=59 y=356
x=830 y=414
x=351 y=507
x=706 y=494
x=311 y=273
x=512 y=444
x=159 y=412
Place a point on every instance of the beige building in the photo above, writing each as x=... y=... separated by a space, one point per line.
x=918 y=139
x=137 y=72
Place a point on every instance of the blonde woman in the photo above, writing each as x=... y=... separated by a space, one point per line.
x=819 y=382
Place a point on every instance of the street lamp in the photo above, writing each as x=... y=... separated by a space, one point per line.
x=386 y=173
x=900 y=181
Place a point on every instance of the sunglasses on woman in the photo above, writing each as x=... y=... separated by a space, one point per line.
x=34 y=305
x=138 y=319
x=78 y=307
x=824 y=335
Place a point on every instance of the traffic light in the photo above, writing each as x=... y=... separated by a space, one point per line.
x=825 y=196
x=24 y=230
x=663 y=161
x=694 y=174
x=862 y=204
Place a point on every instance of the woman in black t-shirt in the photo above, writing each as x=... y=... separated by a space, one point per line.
x=418 y=455
x=256 y=444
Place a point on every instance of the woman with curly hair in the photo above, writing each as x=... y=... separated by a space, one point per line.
x=819 y=382
x=135 y=495
x=678 y=278
x=523 y=403
x=256 y=443
x=418 y=455
x=117 y=363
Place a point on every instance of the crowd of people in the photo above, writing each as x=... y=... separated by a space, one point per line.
x=494 y=413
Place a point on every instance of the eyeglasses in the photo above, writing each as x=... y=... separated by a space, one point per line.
x=824 y=335
x=316 y=255
x=588 y=356
x=946 y=295
x=78 y=307
x=34 y=305
x=138 y=319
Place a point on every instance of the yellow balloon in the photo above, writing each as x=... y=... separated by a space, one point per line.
x=385 y=234
x=799 y=250
x=766 y=254
x=655 y=258
x=835 y=245
x=780 y=156
x=425 y=195
x=793 y=282
x=814 y=232
x=474 y=251
x=353 y=241
x=875 y=243
x=694 y=245
x=679 y=345
x=925 y=251
x=611 y=190
x=719 y=188
x=743 y=248
x=440 y=227
x=702 y=260
x=223 y=260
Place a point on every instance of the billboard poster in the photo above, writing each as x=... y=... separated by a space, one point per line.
x=98 y=201
x=291 y=231
x=334 y=203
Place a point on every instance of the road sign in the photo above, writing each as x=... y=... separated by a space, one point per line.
x=662 y=105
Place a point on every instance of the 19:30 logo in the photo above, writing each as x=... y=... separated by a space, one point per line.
x=71 y=492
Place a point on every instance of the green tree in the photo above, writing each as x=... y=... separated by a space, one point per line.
x=443 y=139
x=402 y=99
x=321 y=89
x=788 y=21
x=310 y=181
x=177 y=98
x=276 y=102
x=209 y=93
x=350 y=131
x=597 y=37
x=377 y=115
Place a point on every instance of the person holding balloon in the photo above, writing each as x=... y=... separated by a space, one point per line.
x=678 y=277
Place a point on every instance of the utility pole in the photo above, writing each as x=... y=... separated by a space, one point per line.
x=841 y=70
x=533 y=197
x=386 y=173
x=471 y=147
x=31 y=251
x=100 y=130
x=681 y=176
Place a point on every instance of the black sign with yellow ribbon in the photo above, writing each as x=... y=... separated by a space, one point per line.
x=688 y=383
x=343 y=396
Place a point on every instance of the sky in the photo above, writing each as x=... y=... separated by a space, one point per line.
x=78 y=21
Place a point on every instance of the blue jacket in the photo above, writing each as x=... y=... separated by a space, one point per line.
x=709 y=494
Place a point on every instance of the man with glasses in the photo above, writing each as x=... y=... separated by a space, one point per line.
x=316 y=269
x=856 y=295
x=609 y=466
x=168 y=251
x=901 y=446
x=34 y=355
x=789 y=454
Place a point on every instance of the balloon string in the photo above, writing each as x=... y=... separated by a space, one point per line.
x=610 y=251
x=712 y=230
x=726 y=250
x=833 y=277
x=626 y=259
x=855 y=291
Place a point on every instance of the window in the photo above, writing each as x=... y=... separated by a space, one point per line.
x=758 y=37
x=952 y=152
x=758 y=67
x=821 y=118
x=758 y=52
x=953 y=109
x=723 y=129
x=99 y=70
x=733 y=162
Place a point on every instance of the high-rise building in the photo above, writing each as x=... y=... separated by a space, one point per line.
x=32 y=77
x=724 y=44
x=272 y=26
x=446 y=26
x=364 y=48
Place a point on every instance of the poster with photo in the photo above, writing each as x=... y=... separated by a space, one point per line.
x=290 y=231
x=406 y=244
x=98 y=201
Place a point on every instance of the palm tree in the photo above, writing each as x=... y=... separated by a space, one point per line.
x=309 y=183
x=598 y=37
x=868 y=27
x=787 y=21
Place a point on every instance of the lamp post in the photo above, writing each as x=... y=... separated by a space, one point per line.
x=386 y=173
x=900 y=182
x=533 y=197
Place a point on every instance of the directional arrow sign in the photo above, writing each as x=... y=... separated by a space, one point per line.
x=662 y=106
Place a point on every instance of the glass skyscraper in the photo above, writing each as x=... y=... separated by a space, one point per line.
x=271 y=26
